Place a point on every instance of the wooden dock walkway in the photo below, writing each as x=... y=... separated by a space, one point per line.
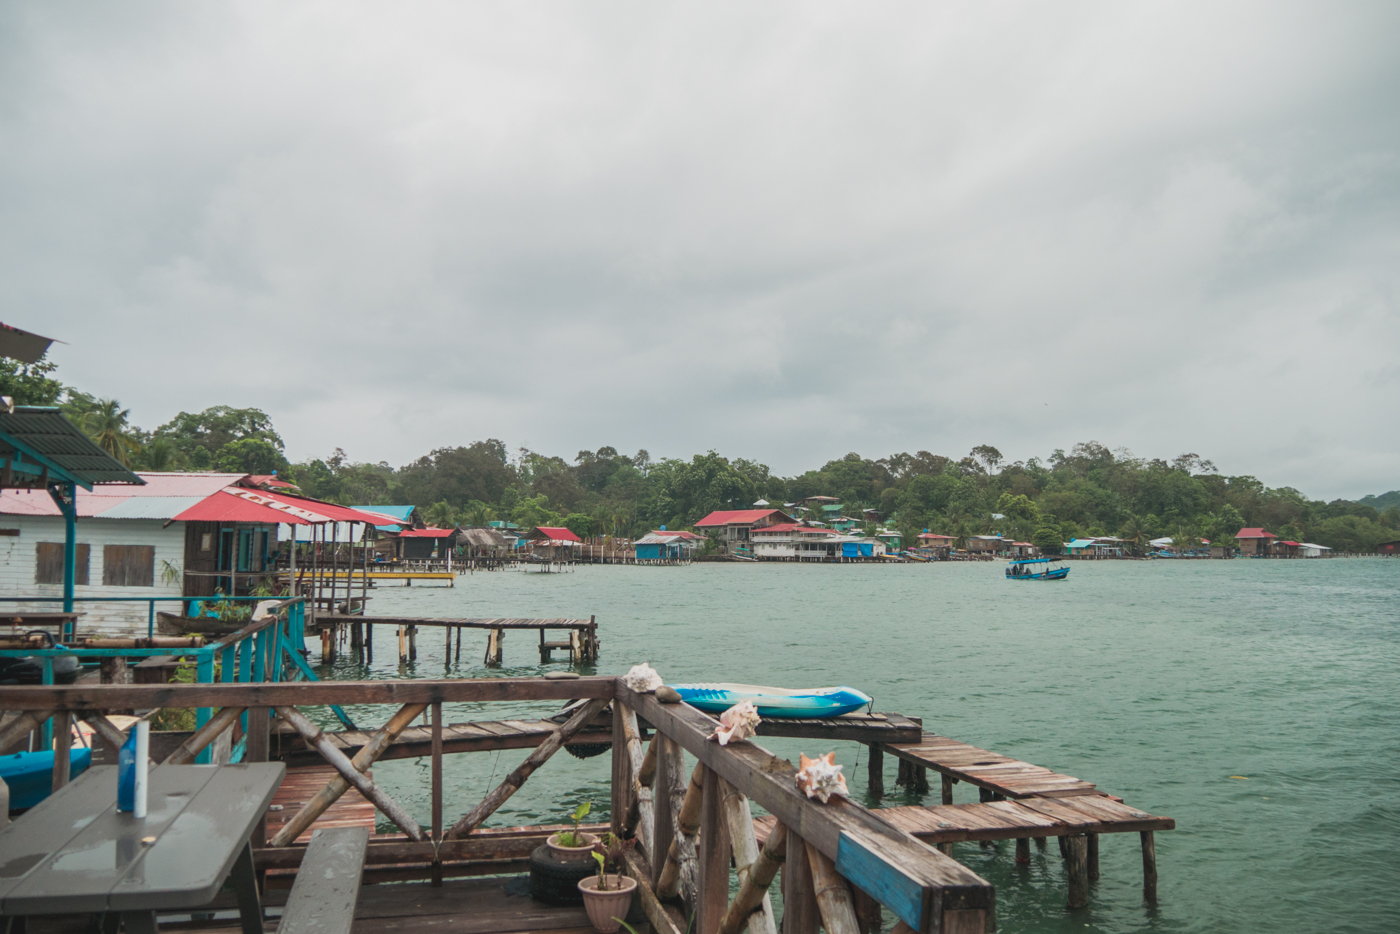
x=581 y=642
x=997 y=774
x=301 y=784
x=1026 y=817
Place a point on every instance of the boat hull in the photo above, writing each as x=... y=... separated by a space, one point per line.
x=778 y=703
x=30 y=774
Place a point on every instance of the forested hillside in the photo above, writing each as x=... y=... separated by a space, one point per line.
x=1085 y=490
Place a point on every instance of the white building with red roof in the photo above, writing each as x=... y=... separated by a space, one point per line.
x=176 y=535
x=732 y=528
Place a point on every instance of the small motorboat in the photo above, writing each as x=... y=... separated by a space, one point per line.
x=775 y=702
x=1036 y=569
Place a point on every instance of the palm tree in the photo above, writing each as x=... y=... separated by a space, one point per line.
x=441 y=515
x=480 y=515
x=160 y=455
x=106 y=424
x=1135 y=532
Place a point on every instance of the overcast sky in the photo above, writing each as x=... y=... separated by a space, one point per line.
x=783 y=231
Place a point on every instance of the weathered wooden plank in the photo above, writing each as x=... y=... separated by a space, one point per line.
x=324 y=896
x=288 y=694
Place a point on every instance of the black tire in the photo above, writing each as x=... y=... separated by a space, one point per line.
x=554 y=881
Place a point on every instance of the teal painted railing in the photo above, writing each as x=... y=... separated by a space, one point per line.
x=253 y=654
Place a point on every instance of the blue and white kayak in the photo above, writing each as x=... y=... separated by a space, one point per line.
x=774 y=702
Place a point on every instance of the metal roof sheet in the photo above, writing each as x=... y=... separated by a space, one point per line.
x=148 y=507
x=735 y=517
x=45 y=432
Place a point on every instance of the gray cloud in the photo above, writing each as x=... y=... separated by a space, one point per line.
x=784 y=231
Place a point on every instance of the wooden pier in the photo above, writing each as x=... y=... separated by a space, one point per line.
x=580 y=641
x=843 y=865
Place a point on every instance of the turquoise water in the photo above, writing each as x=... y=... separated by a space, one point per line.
x=1156 y=680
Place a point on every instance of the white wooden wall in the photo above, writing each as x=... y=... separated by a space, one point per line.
x=19 y=557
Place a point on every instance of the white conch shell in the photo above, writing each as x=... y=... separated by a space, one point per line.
x=737 y=723
x=642 y=679
x=821 y=777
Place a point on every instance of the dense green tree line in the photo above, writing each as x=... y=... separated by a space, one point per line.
x=1089 y=490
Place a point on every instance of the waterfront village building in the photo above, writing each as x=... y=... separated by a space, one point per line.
x=555 y=543
x=1102 y=547
x=176 y=535
x=791 y=541
x=1390 y=549
x=1255 y=542
x=663 y=545
x=427 y=544
x=986 y=544
x=733 y=527
x=940 y=545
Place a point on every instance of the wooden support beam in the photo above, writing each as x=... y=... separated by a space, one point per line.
x=1149 y=868
x=753 y=887
x=477 y=815
x=1023 y=849
x=868 y=914
x=105 y=729
x=1077 y=863
x=314 y=737
x=1093 y=856
x=738 y=820
x=947 y=790
x=833 y=894
x=62 y=748
x=687 y=824
x=875 y=770
x=21 y=726
x=646 y=773
x=712 y=893
x=665 y=919
x=368 y=754
x=800 y=912
x=669 y=758
x=205 y=735
x=437 y=780
x=642 y=797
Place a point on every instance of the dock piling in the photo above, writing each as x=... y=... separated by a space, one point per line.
x=1149 y=868
x=1078 y=865
x=876 y=770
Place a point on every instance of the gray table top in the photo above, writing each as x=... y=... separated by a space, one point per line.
x=74 y=853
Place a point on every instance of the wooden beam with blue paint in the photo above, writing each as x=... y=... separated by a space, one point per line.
x=916 y=882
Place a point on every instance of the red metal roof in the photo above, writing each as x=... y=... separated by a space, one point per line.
x=556 y=534
x=674 y=534
x=223 y=507
x=936 y=535
x=268 y=479
x=736 y=517
x=1253 y=533
x=427 y=533
x=1294 y=544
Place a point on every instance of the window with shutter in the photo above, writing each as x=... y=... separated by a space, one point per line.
x=48 y=565
x=129 y=565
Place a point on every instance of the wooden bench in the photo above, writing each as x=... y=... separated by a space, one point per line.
x=327 y=887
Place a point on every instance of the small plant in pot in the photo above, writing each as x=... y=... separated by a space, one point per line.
x=574 y=844
x=607 y=897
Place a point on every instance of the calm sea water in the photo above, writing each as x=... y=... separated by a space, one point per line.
x=1159 y=681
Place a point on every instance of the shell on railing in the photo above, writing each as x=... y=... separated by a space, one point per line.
x=821 y=777
x=737 y=724
x=642 y=678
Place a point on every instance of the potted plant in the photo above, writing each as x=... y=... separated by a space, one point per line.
x=574 y=844
x=607 y=897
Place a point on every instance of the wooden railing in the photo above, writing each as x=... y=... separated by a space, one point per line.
x=841 y=863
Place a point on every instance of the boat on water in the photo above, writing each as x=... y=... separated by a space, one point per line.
x=1036 y=569
x=788 y=703
x=30 y=774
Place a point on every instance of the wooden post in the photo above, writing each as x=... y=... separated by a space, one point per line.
x=62 y=747
x=1040 y=843
x=738 y=821
x=868 y=913
x=114 y=670
x=437 y=781
x=668 y=758
x=920 y=779
x=413 y=642
x=1078 y=865
x=641 y=793
x=327 y=653
x=1093 y=856
x=875 y=769
x=688 y=819
x=753 y=885
x=712 y=897
x=1149 y=868
x=832 y=894
x=947 y=790
x=800 y=913
x=1023 y=849
x=621 y=773
x=403 y=645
